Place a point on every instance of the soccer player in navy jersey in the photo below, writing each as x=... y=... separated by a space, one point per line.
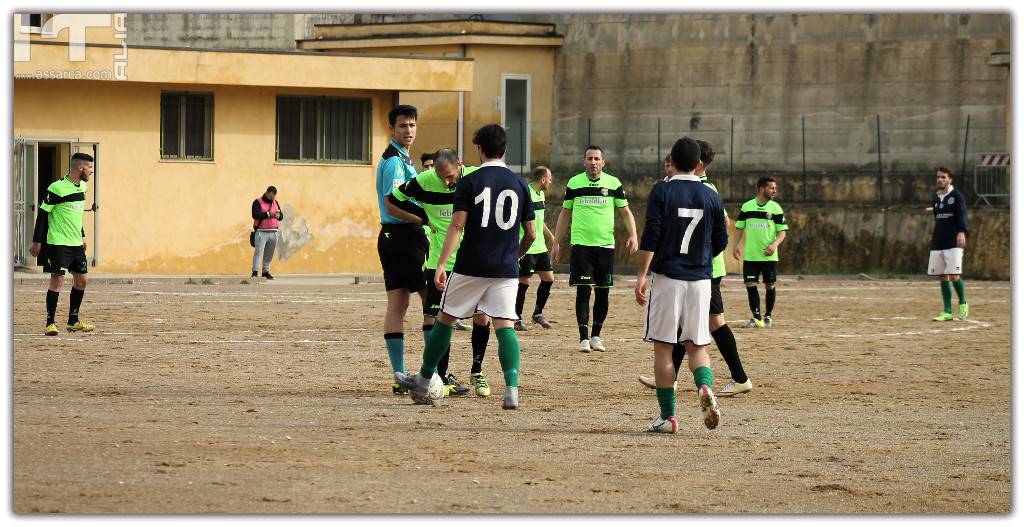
x=489 y=209
x=948 y=240
x=685 y=229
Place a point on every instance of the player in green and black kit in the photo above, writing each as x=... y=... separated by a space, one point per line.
x=60 y=238
x=434 y=190
x=591 y=199
x=537 y=260
x=762 y=227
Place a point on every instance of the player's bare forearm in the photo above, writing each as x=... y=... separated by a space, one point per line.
x=779 y=237
x=529 y=235
x=401 y=214
x=640 y=292
x=564 y=218
x=627 y=217
x=548 y=235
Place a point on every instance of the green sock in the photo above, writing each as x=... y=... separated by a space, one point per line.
x=437 y=343
x=702 y=376
x=666 y=401
x=947 y=297
x=508 y=355
x=959 y=286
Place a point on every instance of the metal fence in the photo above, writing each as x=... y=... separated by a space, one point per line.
x=882 y=159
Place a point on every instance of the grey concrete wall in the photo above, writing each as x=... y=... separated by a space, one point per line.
x=744 y=82
x=271 y=31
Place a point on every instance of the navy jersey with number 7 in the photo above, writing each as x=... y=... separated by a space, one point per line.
x=497 y=202
x=685 y=228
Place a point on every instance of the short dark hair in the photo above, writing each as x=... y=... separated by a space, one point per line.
x=81 y=157
x=668 y=157
x=685 y=154
x=707 y=152
x=594 y=147
x=491 y=139
x=402 y=110
x=272 y=189
x=946 y=170
x=539 y=172
x=762 y=182
x=427 y=156
x=445 y=157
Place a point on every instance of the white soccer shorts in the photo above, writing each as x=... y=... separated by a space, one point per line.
x=495 y=297
x=678 y=304
x=946 y=261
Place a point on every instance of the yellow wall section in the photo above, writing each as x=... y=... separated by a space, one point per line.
x=194 y=217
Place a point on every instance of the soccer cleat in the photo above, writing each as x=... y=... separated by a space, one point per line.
x=597 y=344
x=963 y=311
x=419 y=388
x=735 y=388
x=767 y=321
x=51 y=330
x=708 y=407
x=462 y=326
x=584 y=346
x=80 y=326
x=254 y=274
x=665 y=426
x=520 y=326
x=648 y=381
x=755 y=323
x=539 y=319
x=943 y=317
x=480 y=383
x=511 y=399
x=396 y=387
x=454 y=387
x=267 y=275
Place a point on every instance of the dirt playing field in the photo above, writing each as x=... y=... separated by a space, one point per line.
x=275 y=398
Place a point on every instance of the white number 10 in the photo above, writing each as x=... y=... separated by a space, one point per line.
x=500 y=208
x=697 y=215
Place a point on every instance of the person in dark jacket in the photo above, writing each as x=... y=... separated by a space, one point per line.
x=266 y=218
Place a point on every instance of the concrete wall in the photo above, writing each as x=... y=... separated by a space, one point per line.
x=183 y=217
x=746 y=81
x=276 y=31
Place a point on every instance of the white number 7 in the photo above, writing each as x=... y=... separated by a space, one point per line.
x=697 y=215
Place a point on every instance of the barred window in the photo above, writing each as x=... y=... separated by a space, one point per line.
x=186 y=125
x=323 y=129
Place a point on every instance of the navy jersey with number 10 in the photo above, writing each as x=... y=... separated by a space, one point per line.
x=685 y=228
x=497 y=203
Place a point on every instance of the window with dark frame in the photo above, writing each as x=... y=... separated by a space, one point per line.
x=186 y=126
x=323 y=129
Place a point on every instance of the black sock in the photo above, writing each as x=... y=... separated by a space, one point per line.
x=480 y=336
x=726 y=343
x=583 y=310
x=543 y=291
x=600 y=310
x=769 y=301
x=51 y=306
x=76 y=303
x=442 y=365
x=677 y=357
x=754 y=300
x=521 y=299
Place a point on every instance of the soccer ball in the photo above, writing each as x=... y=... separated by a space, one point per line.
x=435 y=392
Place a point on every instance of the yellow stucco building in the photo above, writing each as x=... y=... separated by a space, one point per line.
x=512 y=78
x=190 y=137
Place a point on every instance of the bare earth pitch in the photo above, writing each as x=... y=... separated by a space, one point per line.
x=275 y=398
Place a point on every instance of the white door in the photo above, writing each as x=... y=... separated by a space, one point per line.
x=25 y=160
x=515 y=118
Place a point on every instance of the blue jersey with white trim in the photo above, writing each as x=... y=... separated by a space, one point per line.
x=950 y=219
x=394 y=170
x=684 y=228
